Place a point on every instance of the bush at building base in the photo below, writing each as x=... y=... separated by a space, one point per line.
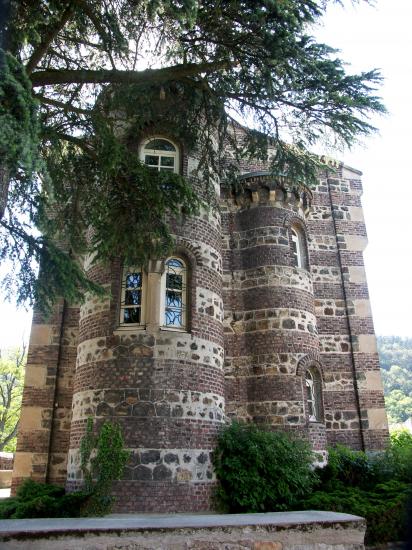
x=375 y=486
x=260 y=470
x=102 y=461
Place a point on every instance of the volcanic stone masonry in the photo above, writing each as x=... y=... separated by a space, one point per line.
x=278 y=331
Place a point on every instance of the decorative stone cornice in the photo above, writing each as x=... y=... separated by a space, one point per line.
x=266 y=188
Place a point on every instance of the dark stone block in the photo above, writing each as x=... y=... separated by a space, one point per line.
x=202 y=458
x=143 y=408
x=123 y=409
x=142 y=473
x=161 y=473
x=150 y=457
x=171 y=458
x=103 y=409
x=177 y=411
x=162 y=409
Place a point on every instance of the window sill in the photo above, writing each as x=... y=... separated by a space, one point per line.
x=130 y=327
x=172 y=329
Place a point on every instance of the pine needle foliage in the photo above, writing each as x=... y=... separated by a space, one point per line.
x=82 y=82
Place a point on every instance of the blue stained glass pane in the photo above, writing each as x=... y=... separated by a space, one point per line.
x=133 y=298
x=173 y=299
x=133 y=280
x=131 y=315
x=174 y=281
x=174 y=263
x=173 y=318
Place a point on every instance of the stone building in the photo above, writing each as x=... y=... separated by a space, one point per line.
x=262 y=313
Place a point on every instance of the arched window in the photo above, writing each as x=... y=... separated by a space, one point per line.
x=313 y=394
x=160 y=154
x=298 y=248
x=132 y=306
x=174 y=294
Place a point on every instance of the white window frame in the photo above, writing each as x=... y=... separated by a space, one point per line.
x=158 y=153
x=143 y=290
x=297 y=243
x=183 y=272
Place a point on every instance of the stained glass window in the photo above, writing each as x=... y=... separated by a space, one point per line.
x=132 y=297
x=160 y=154
x=175 y=294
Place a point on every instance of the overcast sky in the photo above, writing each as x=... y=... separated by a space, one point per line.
x=368 y=37
x=380 y=37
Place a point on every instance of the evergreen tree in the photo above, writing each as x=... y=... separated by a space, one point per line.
x=80 y=79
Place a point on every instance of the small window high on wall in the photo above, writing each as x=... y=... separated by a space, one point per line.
x=313 y=395
x=298 y=248
x=132 y=310
x=160 y=154
x=174 y=294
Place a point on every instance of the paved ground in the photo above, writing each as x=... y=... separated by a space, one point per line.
x=128 y=522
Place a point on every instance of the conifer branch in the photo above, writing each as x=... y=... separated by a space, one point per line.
x=149 y=76
x=42 y=48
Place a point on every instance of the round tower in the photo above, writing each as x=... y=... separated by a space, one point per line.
x=150 y=358
x=273 y=375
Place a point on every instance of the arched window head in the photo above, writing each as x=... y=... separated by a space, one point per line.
x=298 y=248
x=174 y=294
x=132 y=306
x=313 y=395
x=160 y=154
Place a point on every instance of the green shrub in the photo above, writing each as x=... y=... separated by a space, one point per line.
x=39 y=500
x=8 y=507
x=384 y=508
x=261 y=471
x=346 y=468
x=102 y=460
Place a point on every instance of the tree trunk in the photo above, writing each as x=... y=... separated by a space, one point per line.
x=4 y=188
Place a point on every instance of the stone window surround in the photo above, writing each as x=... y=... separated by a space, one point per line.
x=152 y=298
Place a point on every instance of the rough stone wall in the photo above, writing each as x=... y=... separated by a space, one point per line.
x=257 y=323
x=353 y=396
x=164 y=387
x=270 y=323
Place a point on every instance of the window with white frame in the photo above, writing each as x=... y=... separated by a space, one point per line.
x=160 y=154
x=313 y=395
x=174 y=294
x=132 y=307
x=298 y=248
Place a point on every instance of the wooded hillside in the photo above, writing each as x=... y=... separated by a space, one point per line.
x=395 y=355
